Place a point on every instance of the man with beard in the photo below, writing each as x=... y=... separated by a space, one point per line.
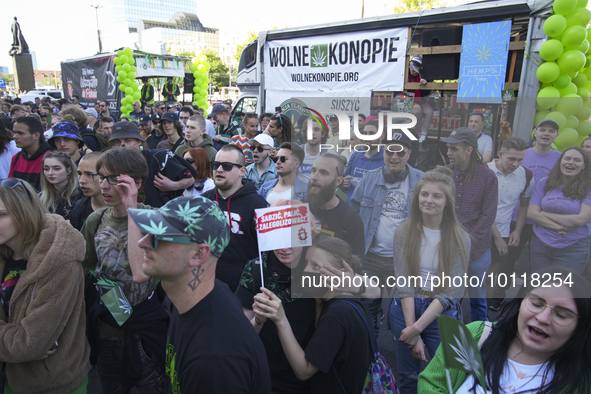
x=383 y=198
x=336 y=218
x=238 y=200
x=312 y=148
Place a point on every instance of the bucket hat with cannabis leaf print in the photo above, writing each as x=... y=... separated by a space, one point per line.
x=198 y=218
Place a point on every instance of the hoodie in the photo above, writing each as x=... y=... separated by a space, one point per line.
x=48 y=306
x=239 y=209
x=207 y=144
x=29 y=168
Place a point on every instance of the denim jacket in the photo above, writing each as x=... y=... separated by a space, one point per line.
x=369 y=197
x=299 y=190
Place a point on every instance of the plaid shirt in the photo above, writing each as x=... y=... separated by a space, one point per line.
x=476 y=206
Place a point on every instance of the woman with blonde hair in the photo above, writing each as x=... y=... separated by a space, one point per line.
x=42 y=319
x=59 y=184
x=429 y=243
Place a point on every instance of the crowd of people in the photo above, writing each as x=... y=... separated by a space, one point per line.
x=131 y=245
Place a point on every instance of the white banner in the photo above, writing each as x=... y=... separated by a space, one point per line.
x=157 y=67
x=283 y=227
x=362 y=61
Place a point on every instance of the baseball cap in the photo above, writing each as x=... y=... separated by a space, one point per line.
x=463 y=134
x=198 y=218
x=399 y=137
x=264 y=139
x=145 y=119
x=91 y=111
x=551 y=121
x=125 y=130
x=417 y=59
x=155 y=118
x=65 y=129
x=217 y=109
x=170 y=116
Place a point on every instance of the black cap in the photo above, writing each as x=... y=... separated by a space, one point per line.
x=125 y=130
x=155 y=118
x=145 y=119
x=399 y=137
x=170 y=116
x=463 y=134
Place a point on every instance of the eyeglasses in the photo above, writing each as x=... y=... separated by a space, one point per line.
x=135 y=105
x=258 y=148
x=190 y=161
x=102 y=105
x=11 y=183
x=111 y=179
x=561 y=316
x=161 y=107
x=226 y=166
x=282 y=159
x=168 y=238
x=400 y=153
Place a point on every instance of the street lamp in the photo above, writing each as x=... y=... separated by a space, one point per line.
x=98 y=32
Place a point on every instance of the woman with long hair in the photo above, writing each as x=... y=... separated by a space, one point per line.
x=280 y=129
x=7 y=150
x=561 y=210
x=586 y=145
x=43 y=319
x=59 y=184
x=172 y=128
x=430 y=242
x=199 y=159
x=541 y=343
x=338 y=354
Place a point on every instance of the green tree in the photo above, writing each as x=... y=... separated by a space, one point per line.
x=252 y=35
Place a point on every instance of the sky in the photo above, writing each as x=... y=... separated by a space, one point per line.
x=66 y=29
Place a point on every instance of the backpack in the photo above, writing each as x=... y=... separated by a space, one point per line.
x=100 y=138
x=528 y=177
x=380 y=378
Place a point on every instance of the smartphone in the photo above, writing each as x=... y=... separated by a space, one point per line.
x=278 y=109
x=249 y=154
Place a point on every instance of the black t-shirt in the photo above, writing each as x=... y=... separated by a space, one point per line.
x=342 y=222
x=213 y=348
x=13 y=269
x=299 y=312
x=340 y=338
x=80 y=211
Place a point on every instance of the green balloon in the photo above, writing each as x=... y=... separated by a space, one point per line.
x=117 y=61
x=548 y=97
x=559 y=117
x=192 y=67
x=572 y=121
x=587 y=103
x=134 y=85
x=583 y=114
x=580 y=79
x=548 y=72
x=564 y=7
x=128 y=90
x=196 y=89
x=126 y=67
x=569 y=104
x=123 y=101
x=571 y=61
x=197 y=82
x=131 y=75
x=119 y=79
x=541 y=115
x=574 y=36
x=582 y=3
x=137 y=96
x=584 y=128
x=126 y=82
x=122 y=87
x=561 y=82
x=584 y=47
x=128 y=51
x=551 y=50
x=123 y=74
x=579 y=17
x=203 y=92
x=197 y=74
x=118 y=69
x=570 y=89
x=584 y=93
x=566 y=137
x=124 y=59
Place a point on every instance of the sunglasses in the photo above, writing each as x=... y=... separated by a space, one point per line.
x=190 y=161
x=11 y=183
x=226 y=166
x=168 y=238
x=282 y=159
x=399 y=153
x=258 y=148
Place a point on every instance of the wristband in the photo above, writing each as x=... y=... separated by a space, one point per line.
x=257 y=321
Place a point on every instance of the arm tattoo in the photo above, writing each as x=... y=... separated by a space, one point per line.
x=196 y=281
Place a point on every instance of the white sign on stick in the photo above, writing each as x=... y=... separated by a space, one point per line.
x=283 y=227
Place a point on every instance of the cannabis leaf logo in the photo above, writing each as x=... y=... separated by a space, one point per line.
x=147 y=212
x=466 y=355
x=154 y=229
x=319 y=55
x=126 y=306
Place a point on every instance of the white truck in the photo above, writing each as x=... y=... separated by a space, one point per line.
x=360 y=65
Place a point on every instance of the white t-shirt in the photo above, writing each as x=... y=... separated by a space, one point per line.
x=429 y=255
x=516 y=378
x=272 y=196
x=393 y=213
x=485 y=143
x=6 y=157
x=192 y=192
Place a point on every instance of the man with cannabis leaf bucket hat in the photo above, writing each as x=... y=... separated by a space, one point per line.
x=212 y=347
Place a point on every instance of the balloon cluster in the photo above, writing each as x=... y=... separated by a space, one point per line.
x=566 y=73
x=126 y=69
x=200 y=69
